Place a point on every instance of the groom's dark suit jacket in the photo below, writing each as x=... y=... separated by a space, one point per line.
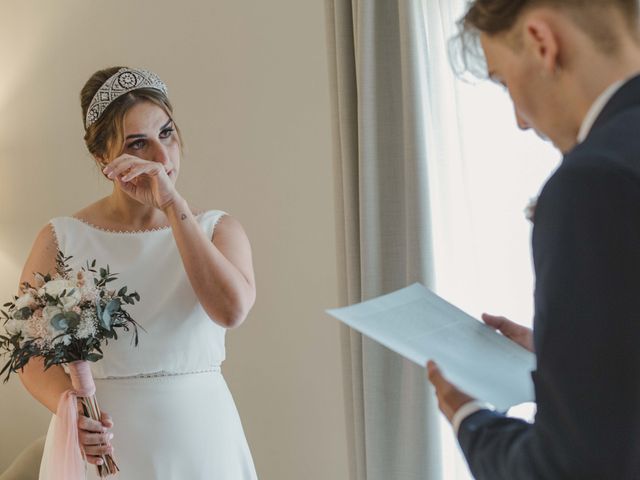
x=586 y=251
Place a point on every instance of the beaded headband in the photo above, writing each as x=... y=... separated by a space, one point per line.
x=121 y=82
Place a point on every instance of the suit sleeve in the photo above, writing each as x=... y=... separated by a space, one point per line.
x=586 y=245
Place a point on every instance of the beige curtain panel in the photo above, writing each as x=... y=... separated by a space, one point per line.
x=378 y=58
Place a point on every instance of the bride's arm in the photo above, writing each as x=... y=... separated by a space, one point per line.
x=220 y=272
x=46 y=386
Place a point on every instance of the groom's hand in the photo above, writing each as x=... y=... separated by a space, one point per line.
x=450 y=398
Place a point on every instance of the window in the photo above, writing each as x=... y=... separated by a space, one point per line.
x=483 y=171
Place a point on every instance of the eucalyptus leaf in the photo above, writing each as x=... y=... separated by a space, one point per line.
x=22 y=314
x=110 y=308
x=60 y=322
x=105 y=320
x=73 y=319
x=113 y=305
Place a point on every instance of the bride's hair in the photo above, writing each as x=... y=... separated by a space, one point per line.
x=105 y=137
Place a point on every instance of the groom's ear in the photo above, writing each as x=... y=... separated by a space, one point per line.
x=542 y=40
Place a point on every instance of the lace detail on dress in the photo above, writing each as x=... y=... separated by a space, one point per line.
x=216 y=221
x=212 y=226
x=162 y=374
x=133 y=232
x=55 y=235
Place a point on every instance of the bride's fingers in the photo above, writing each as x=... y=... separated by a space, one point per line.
x=128 y=187
x=97 y=450
x=95 y=438
x=94 y=459
x=95 y=445
x=137 y=170
x=122 y=164
x=106 y=420
x=90 y=425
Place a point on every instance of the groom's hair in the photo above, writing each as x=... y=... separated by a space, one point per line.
x=496 y=17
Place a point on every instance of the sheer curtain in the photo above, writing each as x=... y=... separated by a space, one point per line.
x=483 y=175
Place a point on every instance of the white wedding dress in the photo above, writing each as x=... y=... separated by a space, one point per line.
x=174 y=417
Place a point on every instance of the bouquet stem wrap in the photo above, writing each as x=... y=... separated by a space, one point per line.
x=66 y=461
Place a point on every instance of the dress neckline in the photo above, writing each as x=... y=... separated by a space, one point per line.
x=123 y=232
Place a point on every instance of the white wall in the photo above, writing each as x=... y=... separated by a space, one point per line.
x=249 y=83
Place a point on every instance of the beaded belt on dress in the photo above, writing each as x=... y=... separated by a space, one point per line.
x=162 y=374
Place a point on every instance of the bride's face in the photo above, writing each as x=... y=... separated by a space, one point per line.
x=149 y=133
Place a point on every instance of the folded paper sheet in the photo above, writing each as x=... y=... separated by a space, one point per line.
x=420 y=325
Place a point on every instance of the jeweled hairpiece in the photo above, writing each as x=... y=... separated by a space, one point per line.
x=121 y=82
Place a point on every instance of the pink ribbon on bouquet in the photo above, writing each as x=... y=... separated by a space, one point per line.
x=66 y=460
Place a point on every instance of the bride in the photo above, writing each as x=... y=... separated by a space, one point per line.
x=170 y=413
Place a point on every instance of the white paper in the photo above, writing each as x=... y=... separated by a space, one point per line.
x=420 y=325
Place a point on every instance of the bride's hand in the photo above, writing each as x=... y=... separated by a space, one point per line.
x=143 y=180
x=95 y=437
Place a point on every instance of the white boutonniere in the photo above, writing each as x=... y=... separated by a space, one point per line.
x=530 y=209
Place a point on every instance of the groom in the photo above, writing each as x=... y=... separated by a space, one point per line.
x=571 y=68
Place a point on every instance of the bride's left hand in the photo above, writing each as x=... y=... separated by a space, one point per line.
x=143 y=180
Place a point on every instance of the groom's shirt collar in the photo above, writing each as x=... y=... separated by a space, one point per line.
x=596 y=109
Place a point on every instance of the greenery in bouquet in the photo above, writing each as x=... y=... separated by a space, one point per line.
x=65 y=317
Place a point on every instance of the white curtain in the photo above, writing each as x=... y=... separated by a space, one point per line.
x=482 y=173
x=379 y=60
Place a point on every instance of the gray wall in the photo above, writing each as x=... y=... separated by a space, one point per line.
x=249 y=83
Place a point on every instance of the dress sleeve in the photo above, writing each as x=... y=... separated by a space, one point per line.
x=210 y=219
x=58 y=233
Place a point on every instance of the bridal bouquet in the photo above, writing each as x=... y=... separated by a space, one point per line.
x=65 y=319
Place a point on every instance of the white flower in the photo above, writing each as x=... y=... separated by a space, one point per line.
x=14 y=327
x=530 y=210
x=55 y=287
x=49 y=312
x=25 y=300
x=89 y=292
x=70 y=301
